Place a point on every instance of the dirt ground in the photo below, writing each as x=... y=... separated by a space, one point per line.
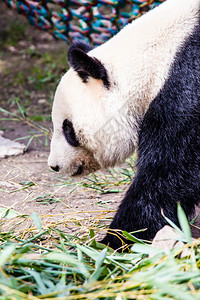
x=26 y=183
x=48 y=196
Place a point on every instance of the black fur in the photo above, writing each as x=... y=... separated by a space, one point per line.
x=169 y=152
x=79 y=45
x=85 y=65
x=69 y=133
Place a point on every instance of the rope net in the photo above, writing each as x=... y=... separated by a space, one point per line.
x=92 y=20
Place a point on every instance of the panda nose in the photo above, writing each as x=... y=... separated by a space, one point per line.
x=56 y=168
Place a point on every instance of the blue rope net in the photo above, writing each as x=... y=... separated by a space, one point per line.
x=92 y=20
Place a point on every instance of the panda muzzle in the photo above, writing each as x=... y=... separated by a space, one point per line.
x=79 y=171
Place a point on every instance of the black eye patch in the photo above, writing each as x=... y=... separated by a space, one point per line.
x=69 y=133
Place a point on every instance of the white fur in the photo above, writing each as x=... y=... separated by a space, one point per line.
x=138 y=61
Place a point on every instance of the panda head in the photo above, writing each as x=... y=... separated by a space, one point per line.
x=90 y=128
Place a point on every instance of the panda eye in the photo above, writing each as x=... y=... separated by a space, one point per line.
x=69 y=133
x=67 y=130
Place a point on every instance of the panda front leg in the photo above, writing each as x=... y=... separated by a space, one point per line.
x=168 y=172
x=137 y=211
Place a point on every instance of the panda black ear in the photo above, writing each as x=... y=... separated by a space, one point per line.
x=80 y=45
x=85 y=65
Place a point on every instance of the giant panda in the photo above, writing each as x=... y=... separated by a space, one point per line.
x=138 y=91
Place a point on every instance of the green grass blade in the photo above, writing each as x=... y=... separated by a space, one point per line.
x=130 y=237
x=184 y=224
x=6 y=253
x=100 y=259
x=37 y=220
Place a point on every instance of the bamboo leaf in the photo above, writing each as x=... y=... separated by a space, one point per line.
x=96 y=274
x=100 y=259
x=132 y=238
x=145 y=249
x=89 y=251
x=69 y=260
x=184 y=224
x=37 y=220
x=6 y=253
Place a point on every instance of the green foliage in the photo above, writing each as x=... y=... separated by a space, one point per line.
x=37 y=134
x=113 y=181
x=40 y=76
x=104 y=183
x=19 y=78
x=12 y=33
x=76 y=268
x=45 y=74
